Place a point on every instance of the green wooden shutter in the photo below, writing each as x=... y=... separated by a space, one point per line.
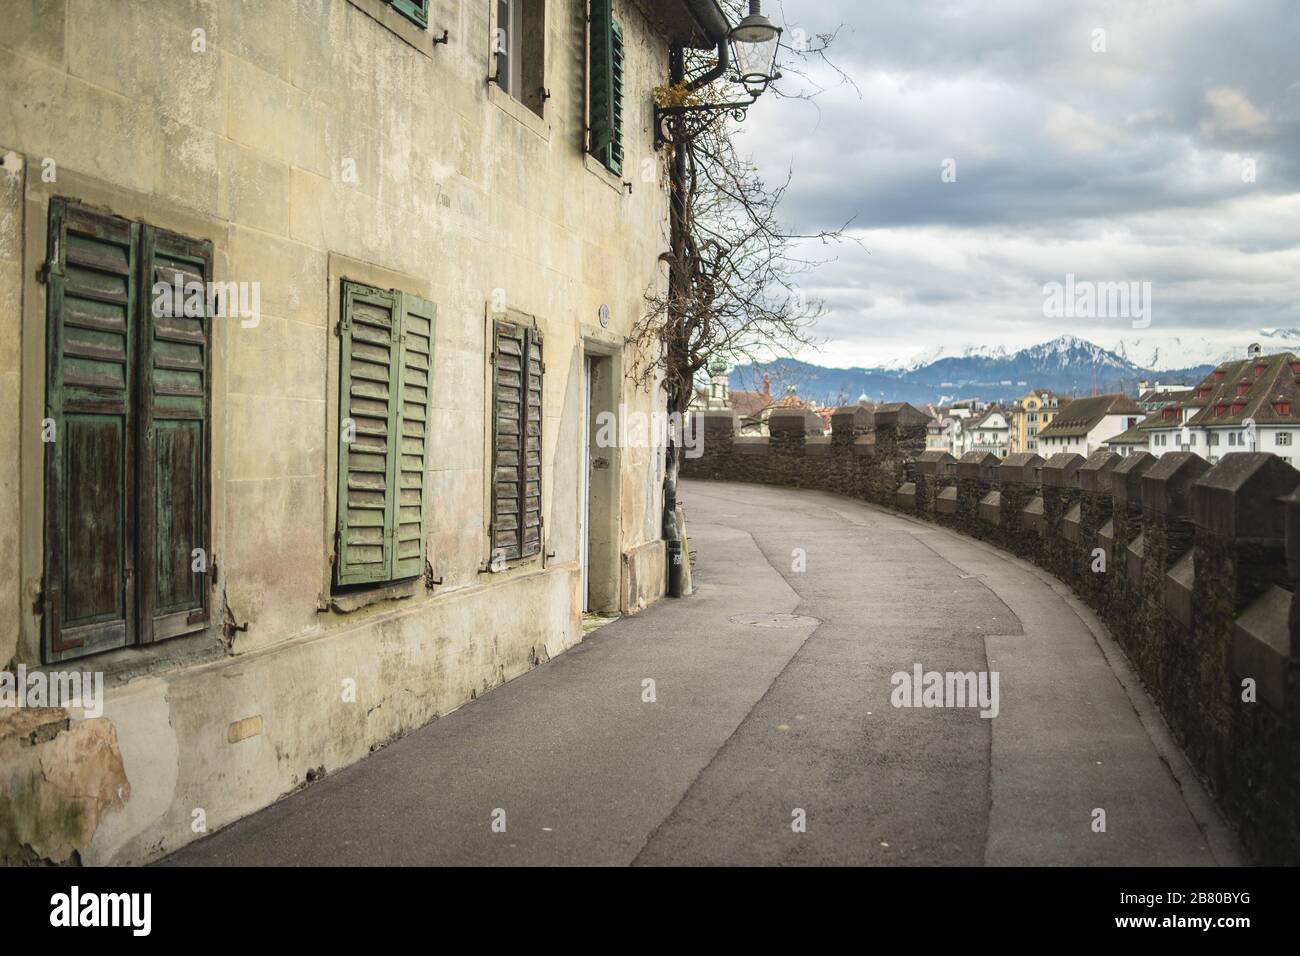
x=601 y=80
x=417 y=11
x=614 y=153
x=174 y=435
x=367 y=399
x=531 y=464
x=507 y=412
x=414 y=394
x=89 y=523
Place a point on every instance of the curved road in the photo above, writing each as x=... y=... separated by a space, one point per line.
x=772 y=705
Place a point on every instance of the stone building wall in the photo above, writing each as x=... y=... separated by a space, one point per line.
x=312 y=141
x=1194 y=569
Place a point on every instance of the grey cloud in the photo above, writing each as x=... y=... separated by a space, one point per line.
x=1123 y=164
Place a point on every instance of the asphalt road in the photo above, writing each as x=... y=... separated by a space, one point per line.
x=779 y=744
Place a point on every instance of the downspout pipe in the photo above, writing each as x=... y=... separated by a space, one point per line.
x=713 y=23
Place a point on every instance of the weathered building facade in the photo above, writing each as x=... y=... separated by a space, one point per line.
x=352 y=484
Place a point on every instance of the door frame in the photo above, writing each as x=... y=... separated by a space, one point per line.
x=600 y=533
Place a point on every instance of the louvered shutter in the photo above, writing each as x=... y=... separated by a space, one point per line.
x=89 y=522
x=601 y=81
x=532 y=464
x=614 y=153
x=174 y=437
x=414 y=390
x=368 y=415
x=507 y=438
x=517 y=441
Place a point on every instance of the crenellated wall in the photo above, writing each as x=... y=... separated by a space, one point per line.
x=1194 y=569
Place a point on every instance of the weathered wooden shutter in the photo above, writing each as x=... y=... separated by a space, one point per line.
x=414 y=392
x=368 y=417
x=601 y=81
x=531 y=466
x=417 y=11
x=89 y=601
x=509 y=346
x=517 y=370
x=174 y=435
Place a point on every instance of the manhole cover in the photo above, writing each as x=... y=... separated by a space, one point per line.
x=775 y=620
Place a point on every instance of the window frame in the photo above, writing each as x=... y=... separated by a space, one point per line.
x=523 y=54
x=344 y=577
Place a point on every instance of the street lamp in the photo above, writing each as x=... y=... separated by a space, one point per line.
x=752 y=45
x=755 y=40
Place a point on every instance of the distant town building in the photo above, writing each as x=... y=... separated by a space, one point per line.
x=943 y=433
x=1247 y=405
x=1086 y=424
x=989 y=432
x=1030 y=414
x=718 y=386
x=1152 y=398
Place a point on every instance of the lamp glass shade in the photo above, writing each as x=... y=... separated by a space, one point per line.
x=754 y=42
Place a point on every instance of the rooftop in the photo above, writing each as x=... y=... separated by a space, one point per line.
x=1084 y=414
x=1256 y=388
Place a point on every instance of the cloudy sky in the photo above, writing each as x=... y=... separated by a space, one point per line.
x=1116 y=156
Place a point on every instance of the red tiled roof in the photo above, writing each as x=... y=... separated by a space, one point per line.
x=1277 y=377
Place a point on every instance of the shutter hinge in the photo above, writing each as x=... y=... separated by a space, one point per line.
x=43 y=273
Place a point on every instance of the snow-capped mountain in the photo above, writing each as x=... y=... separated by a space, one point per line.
x=934 y=353
x=1068 y=365
x=1179 y=352
x=1068 y=351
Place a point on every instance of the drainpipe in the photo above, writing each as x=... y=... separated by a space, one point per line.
x=676 y=280
x=713 y=24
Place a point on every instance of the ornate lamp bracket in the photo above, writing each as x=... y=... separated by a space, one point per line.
x=664 y=113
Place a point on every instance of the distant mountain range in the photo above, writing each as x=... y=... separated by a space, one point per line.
x=1067 y=365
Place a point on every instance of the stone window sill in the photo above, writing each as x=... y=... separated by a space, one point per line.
x=520 y=112
x=601 y=172
x=350 y=602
